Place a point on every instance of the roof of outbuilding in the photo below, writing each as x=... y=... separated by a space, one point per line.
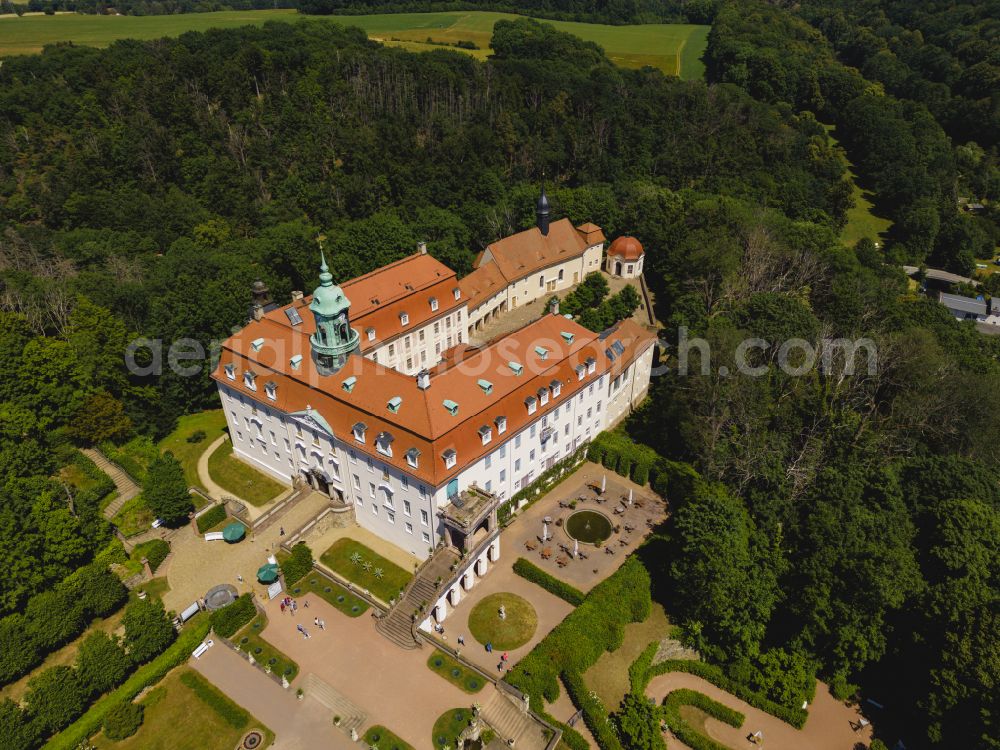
x=627 y=248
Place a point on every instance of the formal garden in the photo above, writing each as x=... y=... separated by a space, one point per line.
x=250 y=642
x=448 y=726
x=183 y=712
x=380 y=737
x=503 y=620
x=366 y=569
x=455 y=672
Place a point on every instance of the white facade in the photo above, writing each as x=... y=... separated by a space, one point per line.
x=421 y=348
x=554 y=279
x=396 y=505
x=616 y=265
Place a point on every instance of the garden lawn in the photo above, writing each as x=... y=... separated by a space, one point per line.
x=332 y=593
x=212 y=423
x=862 y=219
x=608 y=678
x=449 y=725
x=455 y=673
x=242 y=480
x=177 y=718
x=134 y=517
x=380 y=737
x=360 y=565
x=249 y=640
x=513 y=631
x=673 y=48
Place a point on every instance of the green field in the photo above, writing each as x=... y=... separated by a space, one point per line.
x=670 y=47
x=862 y=220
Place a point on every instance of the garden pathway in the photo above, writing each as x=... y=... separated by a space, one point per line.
x=124 y=484
x=827 y=728
x=297 y=725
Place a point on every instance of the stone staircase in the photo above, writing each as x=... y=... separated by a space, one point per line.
x=511 y=722
x=126 y=487
x=351 y=717
x=397 y=624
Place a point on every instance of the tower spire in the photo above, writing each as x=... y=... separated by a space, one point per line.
x=542 y=211
x=334 y=338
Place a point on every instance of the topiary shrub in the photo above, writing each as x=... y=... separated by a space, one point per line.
x=298 y=564
x=122 y=720
x=229 y=619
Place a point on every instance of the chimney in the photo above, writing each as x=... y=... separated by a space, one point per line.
x=422 y=247
x=296 y=295
x=258 y=312
x=554 y=306
x=423 y=380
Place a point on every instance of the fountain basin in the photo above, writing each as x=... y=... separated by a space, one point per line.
x=588 y=526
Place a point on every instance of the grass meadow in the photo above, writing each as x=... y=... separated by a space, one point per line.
x=673 y=48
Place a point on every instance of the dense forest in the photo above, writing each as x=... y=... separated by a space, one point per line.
x=840 y=524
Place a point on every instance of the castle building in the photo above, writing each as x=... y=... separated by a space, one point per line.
x=370 y=393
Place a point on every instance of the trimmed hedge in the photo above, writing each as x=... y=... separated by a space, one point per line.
x=529 y=571
x=155 y=551
x=300 y=562
x=639 y=671
x=796 y=717
x=228 y=711
x=616 y=451
x=149 y=674
x=684 y=731
x=595 y=715
x=596 y=626
x=212 y=517
x=228 y=620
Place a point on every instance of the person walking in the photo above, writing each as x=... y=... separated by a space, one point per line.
x=461 y=640
x=281 y=531
x=322 y=625
x=282 y=605
x=489 y=647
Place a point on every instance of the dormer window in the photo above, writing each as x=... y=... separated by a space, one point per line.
x=591 y=365
x=295 y=362
x=394 y=403
x=370 y=333
x=581 y=370
x=383 y=443
x=567 y=337
x=413 y=457
x=231 y=372
x=486 y=385
x=271 y=389
x=359 y=431
x=250 y=380
x=501 y=423
x=404 y=319
x=349 y=383
x=532 y=403
x=542 y=352
x=556 y=387
x=450 y=458
x=257 y=344
x=485 y=434
x=451 y=406
x=516 y=367
x=434 y=304
x=457 y=292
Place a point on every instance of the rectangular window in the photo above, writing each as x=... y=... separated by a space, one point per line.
x=489 y=486
x=392 y=517
x=409 y=528
x=406 y=507
x=405 y=481
x=426 y=538
x=517 y=465
x=534 y=430
x=353 y=456
x=371 y=489
x=517 y=441
x=424 y=518
x=503 y=476
x=489 y=461
x=531 y=457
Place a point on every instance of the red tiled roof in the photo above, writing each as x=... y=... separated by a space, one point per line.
x=525 y=252
x=628 y=248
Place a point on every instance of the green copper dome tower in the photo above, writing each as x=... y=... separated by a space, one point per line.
x=334 y=339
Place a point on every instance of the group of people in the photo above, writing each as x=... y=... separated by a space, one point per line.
x=292 y=606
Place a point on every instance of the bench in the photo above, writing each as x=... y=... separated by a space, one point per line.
x=202 y=648
x=214 y=536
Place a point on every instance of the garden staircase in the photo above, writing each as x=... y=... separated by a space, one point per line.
x=124 y=484
x=397 y=625
x=511 y=721
x=351 y=717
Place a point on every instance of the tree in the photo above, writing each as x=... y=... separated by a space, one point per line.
x=148 y=629
x=55 y=698
x=724 y=573
x=17 y=653
x=101 y=417
x=638 y=723
x=15 y=728
x=166 y=491
x=101 y=663
x=123 y=720
x=54 y=618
